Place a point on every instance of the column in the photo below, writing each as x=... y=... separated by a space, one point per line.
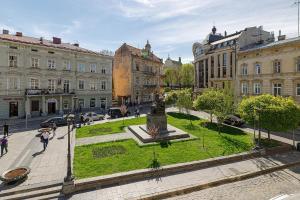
x=209 y=71
x=44 y=111
x=73 y=103
x=60 y=105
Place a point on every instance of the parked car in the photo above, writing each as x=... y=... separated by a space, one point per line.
x=92 y=115
x=59 y=121
x=115 y=112
x=234 y=120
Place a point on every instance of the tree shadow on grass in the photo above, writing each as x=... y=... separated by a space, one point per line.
x=165 y=144
x=183 y=116
x=224 y=129
x=230 y=144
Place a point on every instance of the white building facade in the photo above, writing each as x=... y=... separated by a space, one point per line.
x=40 y=77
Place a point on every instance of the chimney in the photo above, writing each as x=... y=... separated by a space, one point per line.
x=56 y=40
x=19 y=34
x=5 y=31
x=179 y=59
x=76 y=44
x=281 y=37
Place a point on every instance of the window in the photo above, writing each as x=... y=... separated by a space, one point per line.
x=51 y=85
x=66 y=86
x=93 y=85
x=103 y=85
x=277 y=66
x=257 y=68
x=92 y=103
x=277 y=87
x=244 y=69
x=81 y=103
x=212 y=67
x=137 y=67
x=13 y=60
x=103 y=103
x=257 y=88
x=81 y=85
x=34 y=83
x=298 y=89
x=103 y=70
x=244 y=88
x=67 y=65
x=51 y=64
x=34 y=62
x=13 y=83
x=137 y=80
x=81 y=67
x=224 y=59
x=93 y=67
x=66 y=104
x=35 y=106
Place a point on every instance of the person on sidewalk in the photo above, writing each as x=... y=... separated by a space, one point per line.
x=54 y=127
x=5 y=129
x=45 y=139
x=4 y=144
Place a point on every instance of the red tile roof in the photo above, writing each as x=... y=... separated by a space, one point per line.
x=44 y=43
x=138 y=52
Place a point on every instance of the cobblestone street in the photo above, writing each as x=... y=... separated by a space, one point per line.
x=260 y=188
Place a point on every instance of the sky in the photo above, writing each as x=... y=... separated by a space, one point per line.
x=171 y=26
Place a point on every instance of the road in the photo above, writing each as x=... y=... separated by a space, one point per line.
x=260 y=188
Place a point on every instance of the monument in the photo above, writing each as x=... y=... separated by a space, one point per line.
x=157 y=118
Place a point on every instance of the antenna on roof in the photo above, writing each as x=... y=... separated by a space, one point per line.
x=297 y=2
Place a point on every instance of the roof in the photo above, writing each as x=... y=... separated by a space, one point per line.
x=45 y=43
x=228 y=38
x=270 y=45
x=139 y=52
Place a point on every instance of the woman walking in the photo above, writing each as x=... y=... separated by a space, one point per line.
x=45 y=139
x=4 y=145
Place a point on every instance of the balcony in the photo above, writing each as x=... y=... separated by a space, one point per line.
x=32 y=92
x=150 y=85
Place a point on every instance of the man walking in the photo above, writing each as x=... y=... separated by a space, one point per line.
x=4 y=145
x=5 y=129
x=45 y=139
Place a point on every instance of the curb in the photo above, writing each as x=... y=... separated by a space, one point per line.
x=197 y=187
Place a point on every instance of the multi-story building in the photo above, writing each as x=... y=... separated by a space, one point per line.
x=41 y=77
x=215 y=58
x=136 y=74
x=172 y=64
x=272 y=68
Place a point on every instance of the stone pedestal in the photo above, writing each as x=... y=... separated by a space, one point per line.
x=68 y=187
x=157 y=121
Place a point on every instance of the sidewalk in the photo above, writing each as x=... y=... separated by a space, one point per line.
x=25 y=149
x=156 y=185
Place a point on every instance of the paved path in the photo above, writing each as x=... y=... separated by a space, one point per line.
x=160 y=184
x=264 y=187
x=103 y=138
x=25 y=149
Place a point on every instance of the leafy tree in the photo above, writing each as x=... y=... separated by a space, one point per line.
x=272 y=113
x=208 y=101
x=187 y=74
x=171 y=98
x=185 y=101
x=169 y=79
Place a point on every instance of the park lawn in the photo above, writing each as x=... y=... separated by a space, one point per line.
x=112 y=157
x=108 y=127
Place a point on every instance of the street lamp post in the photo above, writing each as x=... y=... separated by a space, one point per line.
x=69 y=176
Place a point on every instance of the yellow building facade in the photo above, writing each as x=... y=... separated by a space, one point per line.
x=270 y=69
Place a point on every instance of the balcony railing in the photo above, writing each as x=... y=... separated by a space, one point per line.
x=150 y=85
x=47 y=92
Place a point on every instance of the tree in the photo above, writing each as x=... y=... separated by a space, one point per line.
x=207 y=101
x=169 y=79
x=272 y=113
x=185 y=101
x=123 y=110
x=187 y=74
x=171 y=98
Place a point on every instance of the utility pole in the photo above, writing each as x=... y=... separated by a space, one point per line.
x=297 y=2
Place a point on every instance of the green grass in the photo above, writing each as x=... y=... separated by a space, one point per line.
x=230 y=141
x=108 y=127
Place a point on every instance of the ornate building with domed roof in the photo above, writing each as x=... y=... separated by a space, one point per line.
x=215 y=58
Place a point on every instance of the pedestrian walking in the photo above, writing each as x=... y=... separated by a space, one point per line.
x=82 y=119
x=54 y=127
x=4 y=144
x=45 y=139
x=5 y=129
